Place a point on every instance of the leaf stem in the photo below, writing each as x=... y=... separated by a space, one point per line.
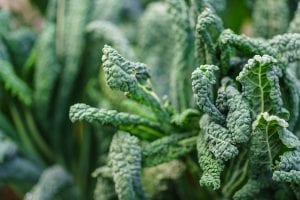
x=25 y=140
x=189 y=141
x=41 y=144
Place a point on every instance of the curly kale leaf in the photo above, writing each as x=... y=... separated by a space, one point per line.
x=133 y=79
x=282 y=47
x=203 y=79
x=289 y=139
x=124 y=121
x=125 y=159
x=221 y=100
x=208 y=28
x=211 y=167
x=288 y=169
x=260 y=84
x=291 y=176
x=287 y=46
x=219 y=142
x=269 y=139
x=239 y=116
x=228 y=42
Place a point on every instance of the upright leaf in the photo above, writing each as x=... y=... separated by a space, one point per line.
x=208 y=28
x=269 y=139
x=125 y=159
x=47 y=69
x=238 y=119
x=203 y=79
x=260 y=82
x=183 y=61
x=211 y=166
x=16 y=86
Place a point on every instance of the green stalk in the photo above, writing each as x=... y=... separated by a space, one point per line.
x=25 y=140
x=39 y=141
x=137 y=130
x=234 y=183
x=189 y=141
x=83 y=166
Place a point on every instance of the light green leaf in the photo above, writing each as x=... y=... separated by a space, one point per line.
x=16 y=86
x=260 y=82
x=266 y=147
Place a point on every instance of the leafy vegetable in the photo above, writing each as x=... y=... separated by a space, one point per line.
x=186 y=108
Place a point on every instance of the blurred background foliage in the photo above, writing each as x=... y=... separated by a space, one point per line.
x=50 y=53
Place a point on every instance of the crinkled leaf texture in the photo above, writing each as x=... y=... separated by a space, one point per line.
x=134 y=124
x=82 y=111
x=269 y=139
x=218 y=141
x=203 y=79
x=208 y=28
x=260 y=82
x=211 y=167
x=133 y=79
x=288 y=169
x=125 y=160
x=239 y=117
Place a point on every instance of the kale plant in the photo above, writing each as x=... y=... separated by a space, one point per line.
x=43 y=72
x=181 y=103
x=234 y=101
